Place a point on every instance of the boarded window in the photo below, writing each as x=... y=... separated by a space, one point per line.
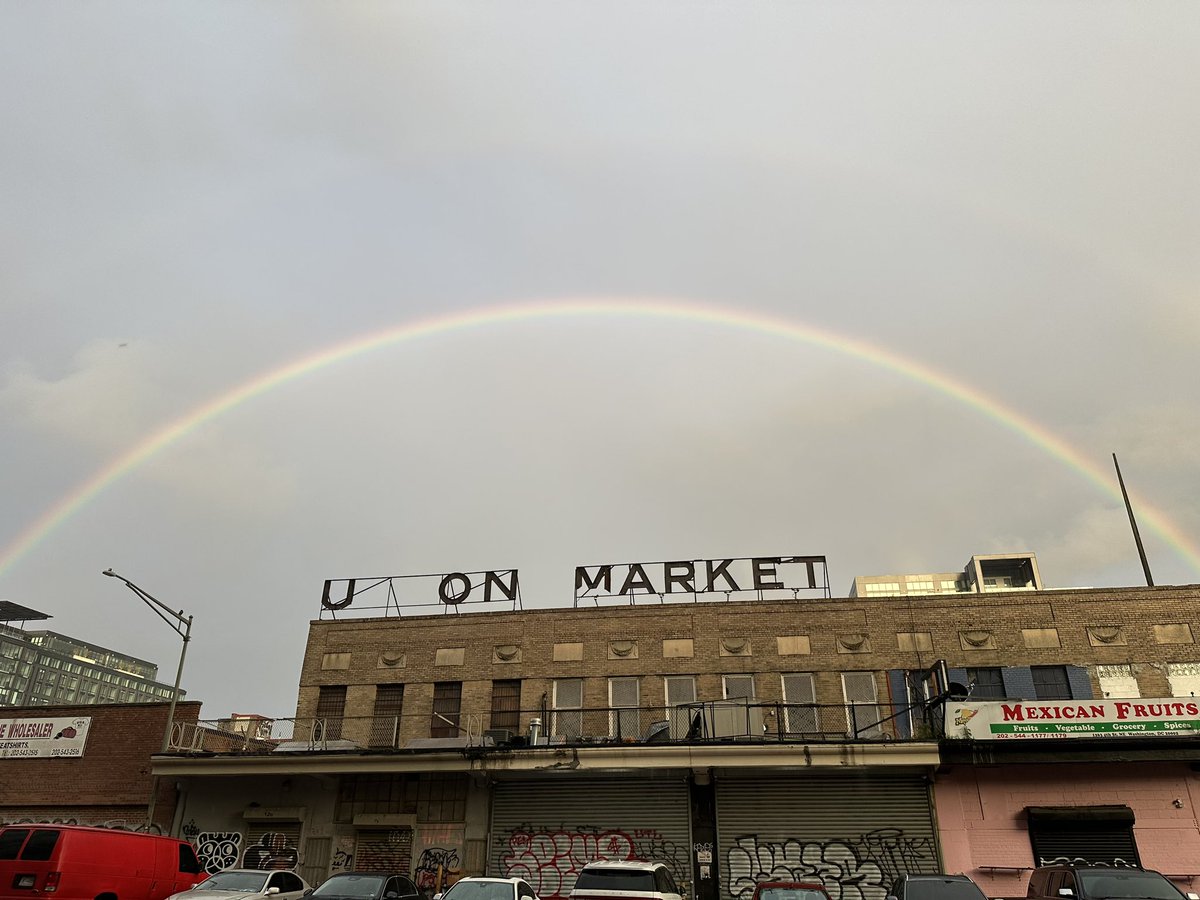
x=331 y=708
x=986 y=683
x=506 y=704
x=1050 y=683
x=447 y=703
x=389 y=707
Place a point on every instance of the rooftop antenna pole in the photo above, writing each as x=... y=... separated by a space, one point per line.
x=1133 y=524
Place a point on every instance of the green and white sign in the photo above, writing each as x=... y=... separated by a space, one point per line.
x=1008 y=720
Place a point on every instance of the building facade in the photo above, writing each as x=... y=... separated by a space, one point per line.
x=87 y=764
x=733 y=740
x=45 y=668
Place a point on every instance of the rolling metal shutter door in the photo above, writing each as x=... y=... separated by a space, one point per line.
x=1100 y=835
x=545 y=832
x=272 y=845
x=855 y=833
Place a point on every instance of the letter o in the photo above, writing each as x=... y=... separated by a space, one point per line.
x=451 y=596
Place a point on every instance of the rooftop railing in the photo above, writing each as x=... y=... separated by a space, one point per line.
x=706 y=722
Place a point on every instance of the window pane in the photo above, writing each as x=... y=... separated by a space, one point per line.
x=1050 y=683
x=680 y=689
x=389 y=707
x=985 y=684
x=797 y=690
x=331 y=707
x=739 y=687
x=506 y=704
x=623 y=695
x=567 y=720
x=862 y=713
x=447 y=700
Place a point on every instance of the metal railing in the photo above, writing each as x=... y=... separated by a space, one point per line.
x=716 y=721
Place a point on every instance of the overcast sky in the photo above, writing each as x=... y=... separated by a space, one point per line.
x=192 y=195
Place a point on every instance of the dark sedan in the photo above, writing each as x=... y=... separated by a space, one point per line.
x=367 y=886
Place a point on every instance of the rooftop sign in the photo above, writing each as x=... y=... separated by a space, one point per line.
x=761 y=575
x=766 y=577
x=1023 y=720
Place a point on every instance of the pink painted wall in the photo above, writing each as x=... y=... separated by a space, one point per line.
x=981 y=815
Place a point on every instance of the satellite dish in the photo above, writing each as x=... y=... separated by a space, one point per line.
x=956 y=691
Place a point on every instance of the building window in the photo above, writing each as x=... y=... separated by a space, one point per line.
x=986 y=683
x=862 y=704
x=677 y=691
x=389 y=707
x=1050 y=683
x=331 y=708
x=738 y=687
x=625 y=719
x=447 y=703
x=799 y=711
x=567 y=719
x=506 y=704
x=442 y=798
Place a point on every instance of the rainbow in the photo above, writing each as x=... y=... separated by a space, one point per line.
x=653 y=308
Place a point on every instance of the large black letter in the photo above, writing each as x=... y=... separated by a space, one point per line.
x=449 y=596
x=642 y=580
x=765 y=568
x=582 y=580
x=509 y=590
x=719 y=570
x=687 y=579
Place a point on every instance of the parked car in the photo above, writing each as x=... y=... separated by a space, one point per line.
x=935 y=887
x=790 y=890
x=478 y=888
x=367 y=886
x=247 y=884
x=1101 y=883
x=76 y=862
x=605 y=880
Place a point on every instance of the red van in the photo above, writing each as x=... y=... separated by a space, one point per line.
x=74 y=862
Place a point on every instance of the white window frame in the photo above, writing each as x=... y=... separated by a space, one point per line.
x=800 y=714
x=725 y=687
x=625 y=721
x=563 y=717
x=864 y=714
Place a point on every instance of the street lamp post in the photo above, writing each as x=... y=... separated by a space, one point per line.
x=182 y=626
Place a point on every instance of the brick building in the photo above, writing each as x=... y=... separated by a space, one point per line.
x=734 y=740
x=108 y=783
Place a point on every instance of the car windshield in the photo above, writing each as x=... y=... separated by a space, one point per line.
x=782 y=893
x=364 y=886
x=939 y=889
x=245 y=882
x=616 y=880
x=1125 y=885
x=480 y=890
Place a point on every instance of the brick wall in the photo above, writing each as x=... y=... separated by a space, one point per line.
x=110 y=781
x=1090 y=626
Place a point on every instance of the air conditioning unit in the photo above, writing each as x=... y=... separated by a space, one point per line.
x=500 y=737
x=716 y=720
